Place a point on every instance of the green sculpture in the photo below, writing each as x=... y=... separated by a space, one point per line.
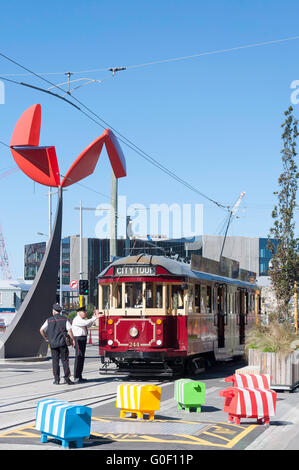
x=189 y=394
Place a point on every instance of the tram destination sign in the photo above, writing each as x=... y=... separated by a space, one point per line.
x=127 y=270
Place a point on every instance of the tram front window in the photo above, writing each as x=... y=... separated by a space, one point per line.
x=159 y=298
x=106 y=297
x=133 y=295
x=118 y=290
x=149 y=301
x=177 y=294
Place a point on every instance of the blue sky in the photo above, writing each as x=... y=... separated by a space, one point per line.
x=213 y=120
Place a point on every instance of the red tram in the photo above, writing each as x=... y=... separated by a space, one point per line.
x=162 y=318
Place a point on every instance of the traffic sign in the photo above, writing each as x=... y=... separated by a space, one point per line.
x=74 y=284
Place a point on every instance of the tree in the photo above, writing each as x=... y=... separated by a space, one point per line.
x=285 y=261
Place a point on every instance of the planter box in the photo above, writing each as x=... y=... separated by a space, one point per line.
x=284 y=369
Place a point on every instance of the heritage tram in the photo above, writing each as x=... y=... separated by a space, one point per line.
x=162 y=318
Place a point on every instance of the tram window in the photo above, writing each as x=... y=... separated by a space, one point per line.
x=118 y=296
x=203 y=297
x=133 y=295
x=209 y=299
x=149 y=301
x=236 y=302
x=197 y=297
x=106 y=297
x=177 y=295
x=159 y=296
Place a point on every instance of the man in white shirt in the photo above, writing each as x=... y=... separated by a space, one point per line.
x=80 y=327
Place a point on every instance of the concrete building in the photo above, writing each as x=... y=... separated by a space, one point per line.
x=251 y=253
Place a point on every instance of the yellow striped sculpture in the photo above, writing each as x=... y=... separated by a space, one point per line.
x=138 y=400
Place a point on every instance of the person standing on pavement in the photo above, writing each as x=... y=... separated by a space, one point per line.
x=80 y=327
x=54 y=331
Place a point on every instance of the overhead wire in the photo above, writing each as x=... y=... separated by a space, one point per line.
x=121 y=137
x=127 y=142
x=173 y=59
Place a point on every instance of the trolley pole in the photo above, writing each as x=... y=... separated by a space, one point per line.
x=113 y=216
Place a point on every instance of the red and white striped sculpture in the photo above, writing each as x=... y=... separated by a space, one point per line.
x=262 y=381
x=251 y=397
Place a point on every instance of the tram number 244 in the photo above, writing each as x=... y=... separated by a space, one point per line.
x=134 y=344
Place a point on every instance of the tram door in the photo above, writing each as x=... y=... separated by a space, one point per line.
x=242 y=316
x=221 y=316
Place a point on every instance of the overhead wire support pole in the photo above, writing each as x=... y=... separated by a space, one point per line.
x=81 y=251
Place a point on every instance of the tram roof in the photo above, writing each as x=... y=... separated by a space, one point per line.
x=175 y=267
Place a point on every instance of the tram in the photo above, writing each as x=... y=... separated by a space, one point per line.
x=163 y=318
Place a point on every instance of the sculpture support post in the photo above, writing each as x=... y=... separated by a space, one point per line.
x=22 y=337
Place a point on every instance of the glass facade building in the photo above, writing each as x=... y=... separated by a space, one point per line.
x=265 y=255
x=33 y=255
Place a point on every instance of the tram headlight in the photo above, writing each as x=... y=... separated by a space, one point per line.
x=110 y=342
x=158 y=342
x=133 y=332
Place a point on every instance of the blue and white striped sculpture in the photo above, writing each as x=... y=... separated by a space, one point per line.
x=64 y=421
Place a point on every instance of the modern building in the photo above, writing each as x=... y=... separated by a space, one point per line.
x=251 y=254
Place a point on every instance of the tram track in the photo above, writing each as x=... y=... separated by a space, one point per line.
x=31 y=401
x=56 y=393
x=43 y=396
x=21 y=384
x=23 y=423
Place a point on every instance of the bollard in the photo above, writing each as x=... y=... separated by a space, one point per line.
x=249 y=403
x=64 y=421
x=252 y=381
x=90 y=338
x=189 y=394
x=138 y=400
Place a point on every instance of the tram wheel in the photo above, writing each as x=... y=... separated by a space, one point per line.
x=194 y=366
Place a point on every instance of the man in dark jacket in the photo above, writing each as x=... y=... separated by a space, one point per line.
x=54 y=331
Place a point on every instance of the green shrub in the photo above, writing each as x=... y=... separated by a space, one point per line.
x=275 y=337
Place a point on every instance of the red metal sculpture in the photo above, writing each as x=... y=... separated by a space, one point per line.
x=40 y=163
x=22 y=338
